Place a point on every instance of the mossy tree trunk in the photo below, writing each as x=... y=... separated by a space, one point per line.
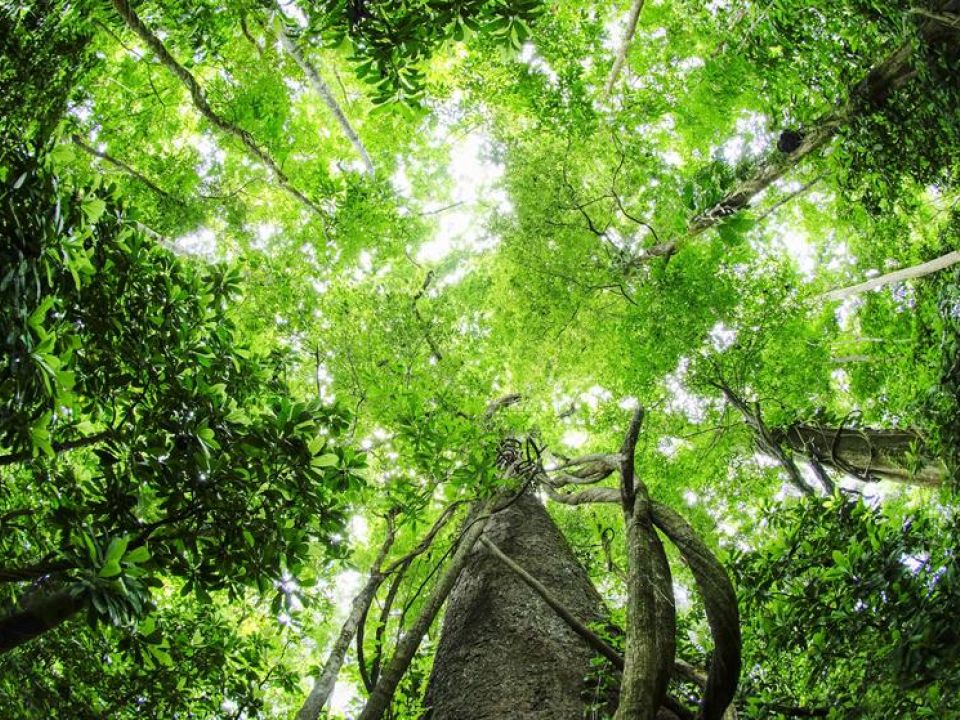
x=866 y=453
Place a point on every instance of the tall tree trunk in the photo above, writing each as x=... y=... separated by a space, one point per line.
x=866 y=453
x=36 y=618
x=504 y=654
x=320 y=87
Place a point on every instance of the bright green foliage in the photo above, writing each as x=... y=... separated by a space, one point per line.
x=212 y=394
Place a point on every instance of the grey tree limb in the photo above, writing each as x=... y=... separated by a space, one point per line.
x=910 y=273
x=393 y=672
x=621 y=57
x=320 y=693
x=323 y=90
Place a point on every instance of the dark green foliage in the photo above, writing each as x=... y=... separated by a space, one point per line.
x=43 y=54
x=140 y=435
x=184 y=661
x=852 y=609
x=915 y=135
x=391 y=40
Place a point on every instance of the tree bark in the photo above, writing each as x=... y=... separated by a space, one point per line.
x=650 y=645
x=866 y=453
x=36 y=618
x=382 y=695
x=504 y=653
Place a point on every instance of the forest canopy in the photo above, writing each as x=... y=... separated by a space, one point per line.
x=479 y=359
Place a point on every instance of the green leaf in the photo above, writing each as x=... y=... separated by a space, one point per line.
x=328 y=460
x=93 y=209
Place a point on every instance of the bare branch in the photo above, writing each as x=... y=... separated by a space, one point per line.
x=119 y=164
x=321 y=88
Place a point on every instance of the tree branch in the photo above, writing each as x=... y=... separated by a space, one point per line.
x=910 y=273
x=624 y=49
x=79 y=142
x=82 y=442
x=320 y=693
x=200 y=101
x=321 y=88
x=386 y=686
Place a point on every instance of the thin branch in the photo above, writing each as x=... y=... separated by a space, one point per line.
x=321 y=88
x=790 y=196
x=203 y=105
x=331 y=668
x=119 y=164
x=59 y=447
x=434 y=349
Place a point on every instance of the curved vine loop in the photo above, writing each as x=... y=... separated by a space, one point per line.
x=720 y=602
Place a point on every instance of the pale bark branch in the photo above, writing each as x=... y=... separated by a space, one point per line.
x=624 y=49
x=200 y=101
x=789 y=197
x=910 y=273
x=320 y=693
x=323 y=90
x=382 y=695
